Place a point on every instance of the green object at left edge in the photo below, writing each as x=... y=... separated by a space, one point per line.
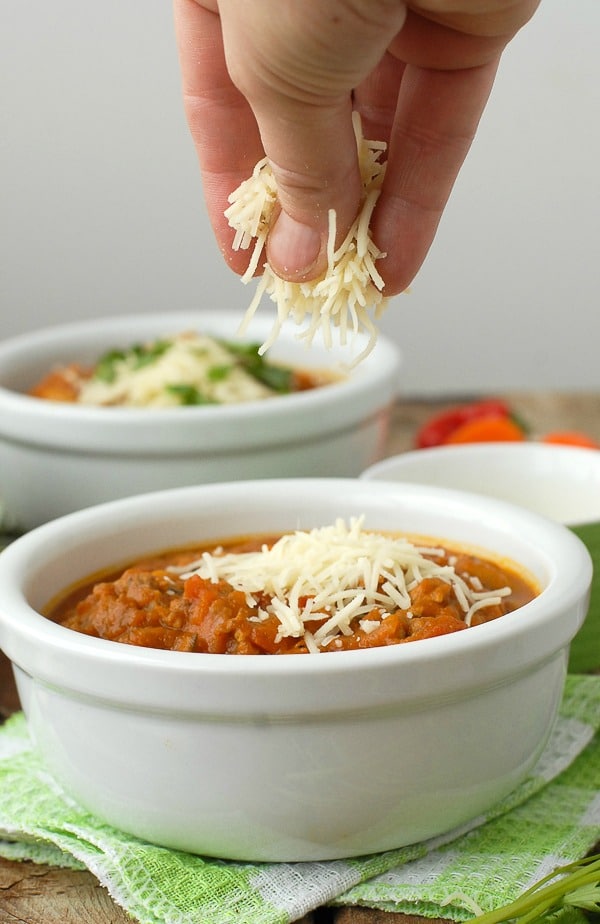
x=584 y=656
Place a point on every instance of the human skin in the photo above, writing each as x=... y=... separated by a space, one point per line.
x=281 y=78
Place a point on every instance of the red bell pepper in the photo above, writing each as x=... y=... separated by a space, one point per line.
x=438 y=429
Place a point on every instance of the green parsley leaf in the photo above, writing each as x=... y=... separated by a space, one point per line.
x=188 y=394
x=138 y=355
x=105 y=370
x=279 y=379
x=149 y=353
x=218 y=373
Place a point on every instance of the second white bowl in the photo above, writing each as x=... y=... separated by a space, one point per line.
x=57 y=457
x=560 y=482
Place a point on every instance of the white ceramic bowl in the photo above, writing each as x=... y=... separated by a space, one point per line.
x=299 y=757
x=560 y=482
x=56 y=458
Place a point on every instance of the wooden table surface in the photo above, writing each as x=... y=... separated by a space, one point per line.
x=34 y=894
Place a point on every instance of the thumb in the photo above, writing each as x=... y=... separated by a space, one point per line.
x=297 y=69
x=315 y=165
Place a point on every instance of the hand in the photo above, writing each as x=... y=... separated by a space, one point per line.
x=281 y=79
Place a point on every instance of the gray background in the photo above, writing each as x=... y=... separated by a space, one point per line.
x=102 y=209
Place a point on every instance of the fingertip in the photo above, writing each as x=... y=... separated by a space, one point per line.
x=295 y=250
x=404 y=233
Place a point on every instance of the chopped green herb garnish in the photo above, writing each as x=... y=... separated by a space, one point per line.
x=277 y=378
x=241 y=349
x=188 y=394
x=139 y=355
x=218 y=373
x=148 y=353
x=105 y=367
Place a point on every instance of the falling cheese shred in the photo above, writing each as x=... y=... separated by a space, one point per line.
x=335 y=575
x=349 y=296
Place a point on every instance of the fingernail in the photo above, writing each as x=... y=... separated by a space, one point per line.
x=293 y=248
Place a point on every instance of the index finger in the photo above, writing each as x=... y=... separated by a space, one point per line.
x=222 y=125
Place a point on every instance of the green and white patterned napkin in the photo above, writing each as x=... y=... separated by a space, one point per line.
x=551 y=819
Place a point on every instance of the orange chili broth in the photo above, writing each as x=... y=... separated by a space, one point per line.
x=217 y=614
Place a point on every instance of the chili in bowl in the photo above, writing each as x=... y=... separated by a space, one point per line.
x=335 y=588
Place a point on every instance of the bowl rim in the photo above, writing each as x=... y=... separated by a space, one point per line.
x=370 y=386
x=492 y=449
x=372 y=368
x=83 y=652
x=393 y=468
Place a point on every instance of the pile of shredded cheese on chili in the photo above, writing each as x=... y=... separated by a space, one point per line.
x=187 y=368
x=337 y=575
x=184 y=368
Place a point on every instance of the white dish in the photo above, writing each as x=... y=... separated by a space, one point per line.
x=297 y=757
x=56 y=457
x=560 y=482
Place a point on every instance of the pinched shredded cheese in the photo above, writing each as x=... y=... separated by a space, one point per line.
x=351 y=288
x=335 y=575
